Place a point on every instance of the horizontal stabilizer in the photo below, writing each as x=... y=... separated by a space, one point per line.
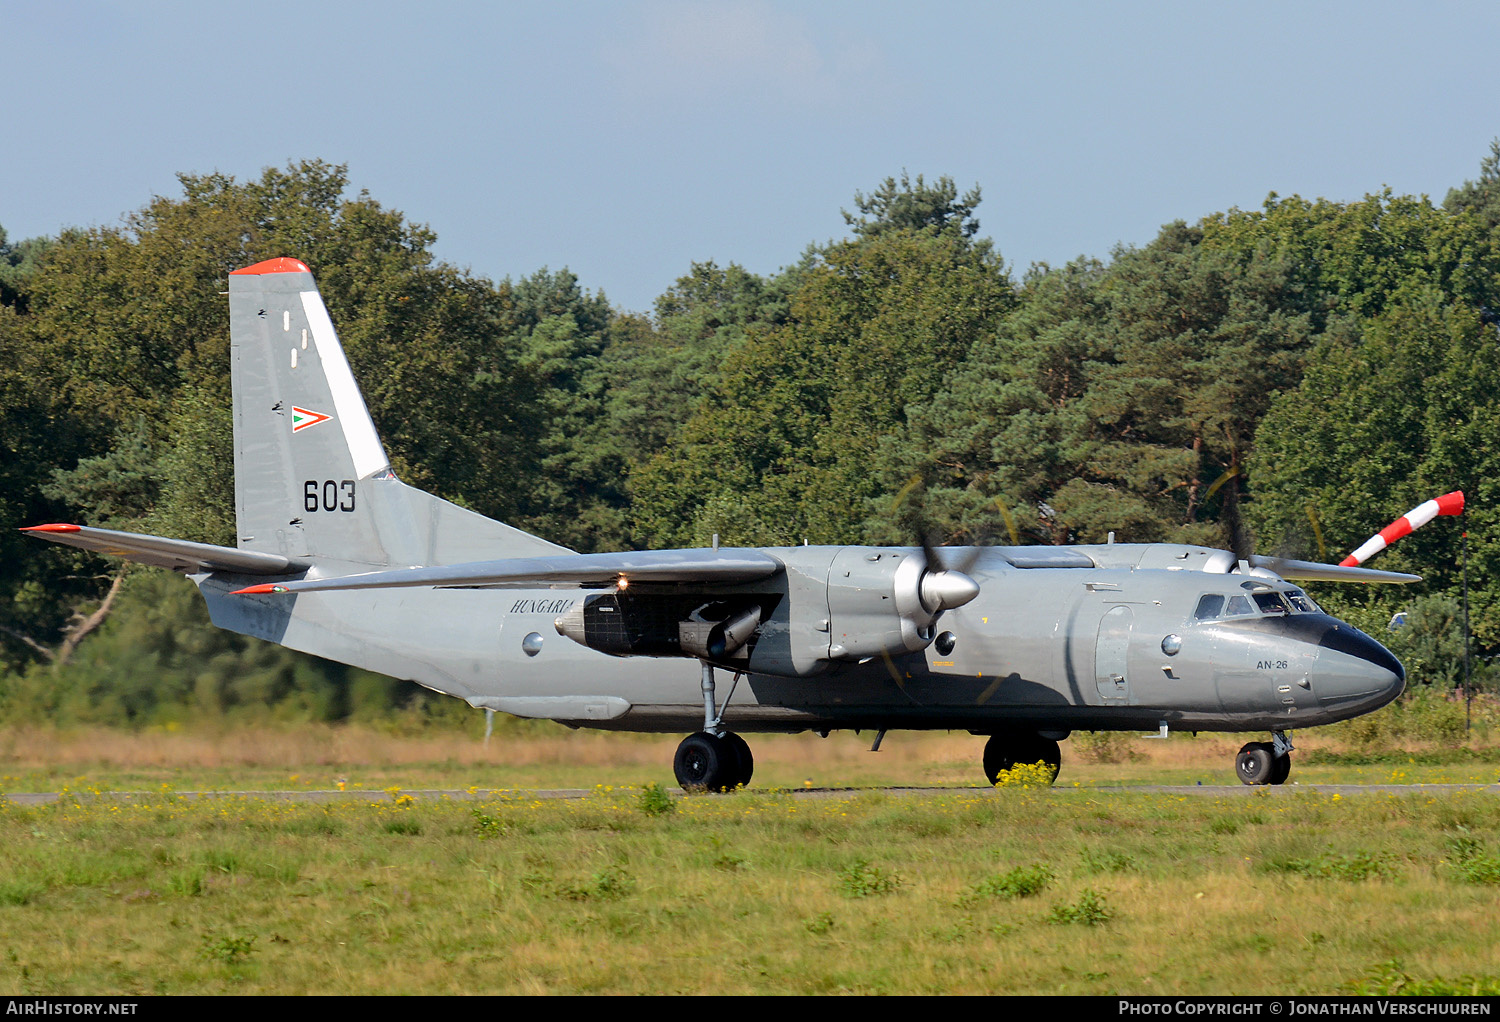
x=174 y=554
x=682 y=567
x=1312 y=571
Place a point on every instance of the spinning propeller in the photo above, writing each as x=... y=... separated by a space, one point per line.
x=937 y=579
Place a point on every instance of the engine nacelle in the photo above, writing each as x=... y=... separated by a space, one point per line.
x=885 y=602
x=879 y=602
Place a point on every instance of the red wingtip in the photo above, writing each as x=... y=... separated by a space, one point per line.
x=282 y=264
x=1349 y=562
x=53 y=528
x=265 y=587
x=1451 y=503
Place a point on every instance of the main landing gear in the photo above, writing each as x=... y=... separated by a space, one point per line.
x=1265 y=762
x=1007 y=749
x=710 y=762
x=713 y=759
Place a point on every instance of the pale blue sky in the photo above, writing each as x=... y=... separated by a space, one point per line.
x=626 y=140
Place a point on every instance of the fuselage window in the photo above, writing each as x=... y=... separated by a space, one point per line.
x=1238 y=607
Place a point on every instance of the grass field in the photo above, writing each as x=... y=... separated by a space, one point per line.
x=635 y=889
x=550 y=756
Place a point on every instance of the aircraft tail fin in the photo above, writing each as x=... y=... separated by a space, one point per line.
x=312 y=479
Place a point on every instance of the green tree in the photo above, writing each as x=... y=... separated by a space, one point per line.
x=1430 y=642
x=577 y=485
x=1351 y=259
x=991 y=447
x=784 y=447
x=914 y=206
x=1480 y=197
x=39 y=590
x=1201 y=337
x=1113 y=399
x=1387 y=417
x=664 y=368
x=18 y=263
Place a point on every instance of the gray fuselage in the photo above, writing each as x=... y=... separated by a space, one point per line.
x=1047 y=648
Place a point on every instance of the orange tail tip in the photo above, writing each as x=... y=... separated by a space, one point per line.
x=282 y=264
x=265 y=587
x=55 y=527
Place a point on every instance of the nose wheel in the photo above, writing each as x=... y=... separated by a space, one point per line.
x=1265 y=762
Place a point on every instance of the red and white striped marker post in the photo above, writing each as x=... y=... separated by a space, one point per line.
x=1447 y=504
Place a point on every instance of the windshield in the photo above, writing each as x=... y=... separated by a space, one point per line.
x=1215 y=606
x=1272 y=603
x=1302 y=602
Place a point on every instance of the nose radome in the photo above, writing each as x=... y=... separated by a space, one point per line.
x=1357 y=669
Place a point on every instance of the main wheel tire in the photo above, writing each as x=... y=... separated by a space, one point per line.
x=746 y=762
x=1256 y=763
x=1005 y=750
x=1282 y=770
x=705 y=762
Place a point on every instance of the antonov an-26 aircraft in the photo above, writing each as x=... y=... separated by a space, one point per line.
x=339 y=558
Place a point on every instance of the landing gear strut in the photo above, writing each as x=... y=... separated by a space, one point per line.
x=1265 y=762
x=1004 y=751
x=713 y=759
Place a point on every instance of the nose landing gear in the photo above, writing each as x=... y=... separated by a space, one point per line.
x=1265 y=762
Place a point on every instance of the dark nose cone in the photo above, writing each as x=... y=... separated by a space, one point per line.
x=1345 y=638
x=1360 y=671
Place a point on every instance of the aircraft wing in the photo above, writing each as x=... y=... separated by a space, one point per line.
x=1311 y=571
x=671 y=566
x=174 y=554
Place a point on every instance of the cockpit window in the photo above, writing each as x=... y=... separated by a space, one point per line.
x=1210 y=605
x=1271 y=603
x=1213 y=606
x=1302 y=602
